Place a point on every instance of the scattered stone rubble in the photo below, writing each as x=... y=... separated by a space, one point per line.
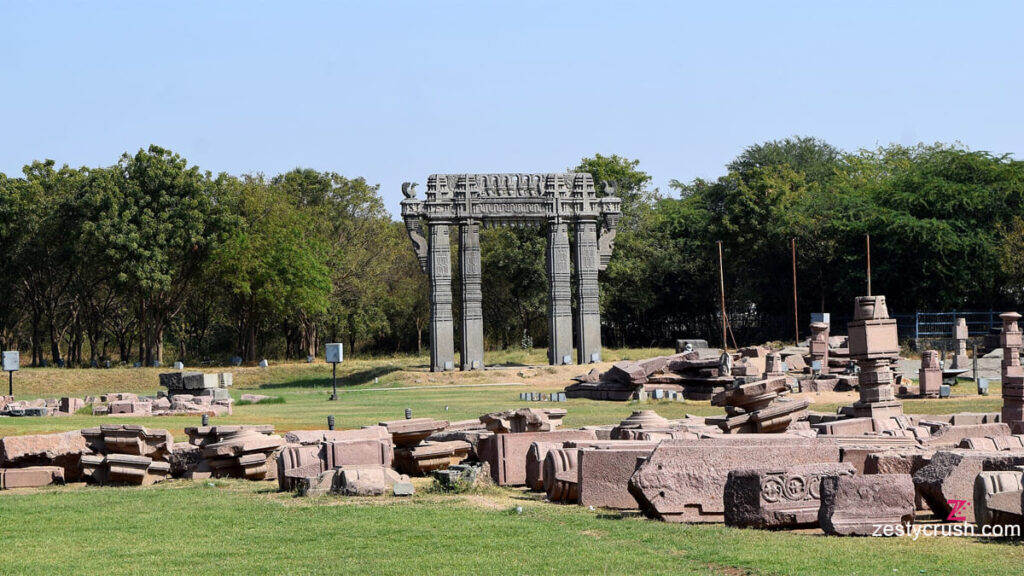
x=195 y=393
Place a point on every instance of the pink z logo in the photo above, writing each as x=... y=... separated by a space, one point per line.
x=956 y=514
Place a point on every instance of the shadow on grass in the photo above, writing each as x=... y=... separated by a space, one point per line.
x=354 y=379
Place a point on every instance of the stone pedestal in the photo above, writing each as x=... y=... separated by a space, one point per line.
x=1012 y=376
x=442 y=326
x=560 y=294
x=472 y=312
x=588 y=313
x=930 y=375
x=873 y=342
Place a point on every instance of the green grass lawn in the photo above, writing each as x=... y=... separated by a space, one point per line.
x=246 y=527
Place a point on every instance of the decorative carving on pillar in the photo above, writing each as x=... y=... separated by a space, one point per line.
x=472 y=297
x=588 y=313
x=442 y=326
x=559 y=294
x=412 y=212
x=555 y=200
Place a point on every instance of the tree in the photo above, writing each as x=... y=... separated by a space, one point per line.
x=158 y=232
x=273 y=262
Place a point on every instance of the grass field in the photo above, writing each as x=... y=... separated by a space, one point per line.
x=237 y=527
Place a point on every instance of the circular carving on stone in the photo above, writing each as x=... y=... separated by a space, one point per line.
x=795 y=488
x=815 y=488
x=771 y=490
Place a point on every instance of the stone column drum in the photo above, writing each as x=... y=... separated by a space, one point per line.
x=588 y=314
x=442 y=325
x=472 y=297
x=560 y=294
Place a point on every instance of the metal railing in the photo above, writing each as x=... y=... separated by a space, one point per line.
x=940 y=324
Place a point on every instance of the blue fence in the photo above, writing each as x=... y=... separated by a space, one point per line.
x=940 y=324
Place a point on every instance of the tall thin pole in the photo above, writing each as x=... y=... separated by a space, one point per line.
x=796 y=313
x=867 y=239
x=721 y=285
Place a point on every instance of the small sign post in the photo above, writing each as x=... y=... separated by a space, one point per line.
x=334 y=356
x=11 y=364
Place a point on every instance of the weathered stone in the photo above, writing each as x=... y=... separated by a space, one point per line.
x=857 y=505
x=950 y=476
x=523 y=420
x=560 y=475
x=429 y=456
x=506 y=453
x=299 y=461
x=183 y=458
x=242 y=444
x=997 y=498
x=411 y=432
x=604 y=473
x=31 y=477
x=64 y=450
x=535 y=464
x=367 y=480
x=777 y=497
x=684 y=480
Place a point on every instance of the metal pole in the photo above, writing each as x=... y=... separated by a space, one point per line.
x=10 y=384
x=721 y=285
x=867 y=239
x=334 y=395
x=796 y=313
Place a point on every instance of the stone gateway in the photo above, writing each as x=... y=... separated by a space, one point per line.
x=557 y=201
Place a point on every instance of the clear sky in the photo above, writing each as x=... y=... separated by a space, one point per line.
x=393 y=91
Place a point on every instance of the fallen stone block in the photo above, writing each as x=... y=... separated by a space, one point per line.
x=506 y=453
x=523 y=420
x=64 y=449
x=412 y=431
x=952 y=436
x=777 y=497
x=535 y=464
x=183 y=458
x=997 y=498
x=684 y=480
x=299 y=461
x=429 y=456
x=951 y=474
x=604 y=473
x=857 y=505
x=369 y=481
x=31 y=477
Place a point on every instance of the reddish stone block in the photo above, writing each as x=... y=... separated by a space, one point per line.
x=857 y=505
x=506 y=453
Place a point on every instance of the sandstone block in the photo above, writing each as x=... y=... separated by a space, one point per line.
x=855 y=505
x=777 y=497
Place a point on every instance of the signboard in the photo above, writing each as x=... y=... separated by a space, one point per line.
x=334 y=353
x=11 y=361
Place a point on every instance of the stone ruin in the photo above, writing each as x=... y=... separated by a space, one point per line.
x=759 y=407
x=467 y=202
x=192 y=393
x=843 y=475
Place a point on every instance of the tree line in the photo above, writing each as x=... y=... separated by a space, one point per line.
x=154 y=260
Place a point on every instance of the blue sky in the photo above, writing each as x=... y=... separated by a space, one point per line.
x=393 y=91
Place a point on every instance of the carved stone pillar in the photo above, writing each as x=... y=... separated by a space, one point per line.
x=442 y=329
x=472 y=311
x=588 y=314
x=560 y=294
